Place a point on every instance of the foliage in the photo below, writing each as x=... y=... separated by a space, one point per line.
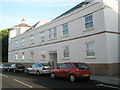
x=4 y=43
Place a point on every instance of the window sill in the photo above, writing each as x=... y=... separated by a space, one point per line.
x=52 y=39
x=65 y=36
x=66 y=58
x=42 y=58
x=90 y=57
x=88 y=29
x=42 y=41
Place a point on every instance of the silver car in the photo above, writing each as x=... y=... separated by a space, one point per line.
x=39 y=68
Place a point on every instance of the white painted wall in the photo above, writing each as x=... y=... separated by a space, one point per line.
x=77 y=47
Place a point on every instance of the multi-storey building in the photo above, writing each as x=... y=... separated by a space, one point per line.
x=86 y=33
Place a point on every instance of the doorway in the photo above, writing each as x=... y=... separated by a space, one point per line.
x=53 y=58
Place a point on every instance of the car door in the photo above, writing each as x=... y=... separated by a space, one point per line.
x=31 y=70
x=60 y=70
x=69 y=68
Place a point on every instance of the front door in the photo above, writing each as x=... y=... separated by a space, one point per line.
x=53 y=58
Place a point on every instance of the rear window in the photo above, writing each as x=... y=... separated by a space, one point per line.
x=81 y=66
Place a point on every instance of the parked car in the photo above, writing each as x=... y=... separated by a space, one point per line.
x=39 y=68
x=16 y=67
x=72 y=70
x=4 y=67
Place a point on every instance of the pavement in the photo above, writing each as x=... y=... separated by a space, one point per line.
x=111 y=80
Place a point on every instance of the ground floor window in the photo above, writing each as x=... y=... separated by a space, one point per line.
x=42 y=54
x=90 y=48
x=23 y=56
x=16 y=56
x=32 y=55
x=66 y=51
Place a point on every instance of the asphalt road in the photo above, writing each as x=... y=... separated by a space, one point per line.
x=22 y=80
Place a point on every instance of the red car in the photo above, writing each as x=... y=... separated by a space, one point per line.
x=72 y=70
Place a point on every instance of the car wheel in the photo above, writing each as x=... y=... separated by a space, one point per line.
x=72 y=78
x=14 y=70
x=38 y=73
x=53 y=76
x=27 y=72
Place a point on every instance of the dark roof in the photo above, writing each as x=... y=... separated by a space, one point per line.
x=72 y=9
x=22 y=25
x=35 y=24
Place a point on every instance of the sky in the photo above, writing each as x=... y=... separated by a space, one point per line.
x=13 y=11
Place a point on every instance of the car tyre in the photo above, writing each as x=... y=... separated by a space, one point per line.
x=72 y=78
x=27 y=72
x=14 y=70
x=53 y=76
x=38 y=73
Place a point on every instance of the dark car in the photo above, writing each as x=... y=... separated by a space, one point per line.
x=4 y=67
x=16 y=67
x=72 y=70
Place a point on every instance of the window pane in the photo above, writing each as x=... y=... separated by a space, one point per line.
x=88 y=21
x=43 y=54
x=65 y=29
x=66 y=52
x=90 y=49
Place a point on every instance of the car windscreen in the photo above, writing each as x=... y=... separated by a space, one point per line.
x=81 y=66
x=46 y=64
x=19 y=65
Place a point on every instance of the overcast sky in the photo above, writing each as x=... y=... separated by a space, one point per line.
x=13 y=11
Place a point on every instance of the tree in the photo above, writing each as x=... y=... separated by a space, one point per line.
x=4 y=43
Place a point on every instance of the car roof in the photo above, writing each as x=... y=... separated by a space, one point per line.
x=74 y=62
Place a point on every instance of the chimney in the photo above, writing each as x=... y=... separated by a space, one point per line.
x=23 y=21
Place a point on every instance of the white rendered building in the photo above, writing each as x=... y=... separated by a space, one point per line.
x=86 y=33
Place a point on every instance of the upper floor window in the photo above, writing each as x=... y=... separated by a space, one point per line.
x=50 y=34
x=23 y=42
x=66 y=51
x=65 y=29
x=32 y=39
x=16 y=44
x=42 y=36
x=90 y=49
x=55 y=32
x=89 y=22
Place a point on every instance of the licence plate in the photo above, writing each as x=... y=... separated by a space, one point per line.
x=49 y=68
x=20 y=69
x=85 y=75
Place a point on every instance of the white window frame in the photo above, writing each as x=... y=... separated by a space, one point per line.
x=65 y=29
x=32 y=39
x=50 y=34
x=90 y=49
x=55 y=32
x=42 y=54
x=89 y=22
x=32 y=55
x=23 y=56
x=42 y=37
x=23 y=42
x=66 y=52
x=16 y=43
x=16 y=56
